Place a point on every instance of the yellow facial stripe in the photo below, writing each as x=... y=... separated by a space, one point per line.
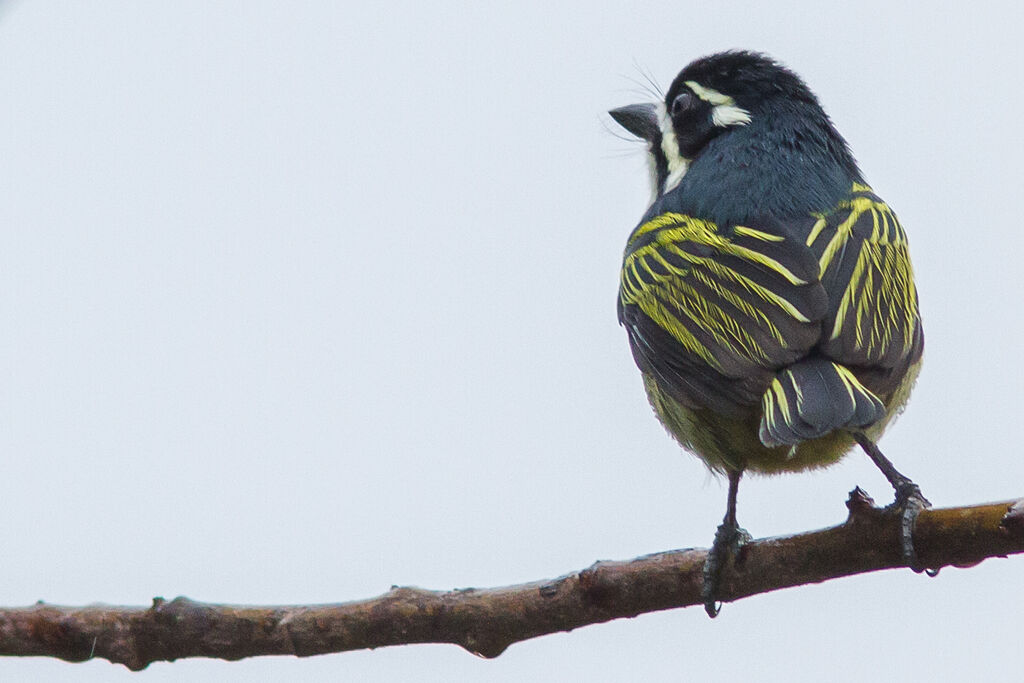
x=724 y=112
x=709 y=95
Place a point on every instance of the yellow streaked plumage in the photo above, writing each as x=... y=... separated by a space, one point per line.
x=686 y=276
x=767 y=293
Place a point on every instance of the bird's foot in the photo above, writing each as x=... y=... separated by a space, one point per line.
x=909 y=503
x=728 y=540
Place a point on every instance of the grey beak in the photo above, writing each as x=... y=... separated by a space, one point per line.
x=639 y=119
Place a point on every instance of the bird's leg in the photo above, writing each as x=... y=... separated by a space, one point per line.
x=909 y=500
x=728 y=540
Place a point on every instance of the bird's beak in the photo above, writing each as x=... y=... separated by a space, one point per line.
x=639 y=119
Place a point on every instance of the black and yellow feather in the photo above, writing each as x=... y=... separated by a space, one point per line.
x=764 y=343
x=767 y=292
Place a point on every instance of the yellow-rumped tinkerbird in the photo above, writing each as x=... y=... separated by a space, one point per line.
x=767 y=292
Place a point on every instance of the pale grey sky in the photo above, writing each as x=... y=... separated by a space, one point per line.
x=302 y=300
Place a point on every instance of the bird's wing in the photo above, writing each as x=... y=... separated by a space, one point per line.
x=873 y=324
x=712 y=313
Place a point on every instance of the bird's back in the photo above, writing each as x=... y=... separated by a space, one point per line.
x=767 y=293
x=759 y=341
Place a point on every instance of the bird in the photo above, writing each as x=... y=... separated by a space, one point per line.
x=767 y=292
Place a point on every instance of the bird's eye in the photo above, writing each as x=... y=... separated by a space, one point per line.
x=683 y=103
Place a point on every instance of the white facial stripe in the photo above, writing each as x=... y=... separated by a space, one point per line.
x=725 y=115
x=677 y=164
x=652 y=169
x=724 y=112
x=677 y=175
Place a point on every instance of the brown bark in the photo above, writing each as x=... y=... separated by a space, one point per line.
x=486 y=621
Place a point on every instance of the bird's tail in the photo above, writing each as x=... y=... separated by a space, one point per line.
x=812 y=398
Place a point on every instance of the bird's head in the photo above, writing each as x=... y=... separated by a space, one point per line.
x=740 y=96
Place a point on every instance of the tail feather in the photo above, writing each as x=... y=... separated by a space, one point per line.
x=812 y=398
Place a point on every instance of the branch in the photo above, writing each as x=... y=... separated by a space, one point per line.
x=487 y=621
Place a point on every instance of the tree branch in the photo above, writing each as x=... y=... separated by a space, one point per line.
x=486 y=621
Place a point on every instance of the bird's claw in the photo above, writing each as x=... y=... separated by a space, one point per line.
x=728 y=540
x=909 y=502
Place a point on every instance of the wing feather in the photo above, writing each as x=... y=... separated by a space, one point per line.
x=873 y=322
x=712 y=314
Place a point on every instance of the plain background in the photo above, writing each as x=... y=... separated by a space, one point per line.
x=302 y=300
